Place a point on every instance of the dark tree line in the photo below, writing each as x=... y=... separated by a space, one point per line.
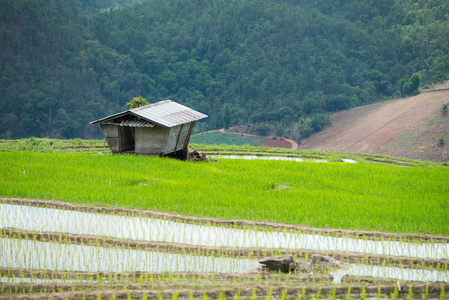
x=65 y=63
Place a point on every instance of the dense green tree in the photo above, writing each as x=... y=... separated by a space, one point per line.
x=62 y=63
x=226 y=117
x=411 y=86
x=401 y=84
x=415 y=81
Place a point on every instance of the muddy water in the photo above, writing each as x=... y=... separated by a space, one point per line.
x=11 y=280
x=277 y=158
x=263 y=158
x=148 y=229
x=392 y=273
x=29 y=254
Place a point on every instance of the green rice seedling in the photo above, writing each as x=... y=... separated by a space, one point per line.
x=237 y=294
x=410 y=292
x=395 y=293
x=332 y=293
x=348 y=294
x=423 y=184
x=425 y=293
x=269 y=294
x=284 y=294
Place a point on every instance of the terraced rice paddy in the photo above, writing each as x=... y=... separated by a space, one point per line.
x=142 y=227
x=148 y=228
x=59 y=250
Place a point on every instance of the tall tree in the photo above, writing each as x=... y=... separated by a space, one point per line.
x=226 y=117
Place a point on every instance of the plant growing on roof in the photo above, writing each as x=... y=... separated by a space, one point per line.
x=137 y=102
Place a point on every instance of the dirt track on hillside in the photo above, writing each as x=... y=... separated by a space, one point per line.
x=402 y=127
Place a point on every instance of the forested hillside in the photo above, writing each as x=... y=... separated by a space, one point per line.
x=65 y=63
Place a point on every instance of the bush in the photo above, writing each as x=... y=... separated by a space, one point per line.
x=410 y=87
x=306 y=130
x=441 y=140
x=275 y=137
x=262 y=129
x=280 y=131
x=444 y=108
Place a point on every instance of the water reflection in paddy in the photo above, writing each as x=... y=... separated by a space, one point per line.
x=392 y=273
x=29 y=254
x=298 y=159
x=150 y=229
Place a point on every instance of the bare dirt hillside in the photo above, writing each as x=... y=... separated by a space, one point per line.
x=407 y=127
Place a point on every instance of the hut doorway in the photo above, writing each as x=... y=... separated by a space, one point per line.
x=127 y=139
x=119 y=138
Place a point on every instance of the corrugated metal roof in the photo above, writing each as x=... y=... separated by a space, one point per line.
x=166 y=113
x=137 y=123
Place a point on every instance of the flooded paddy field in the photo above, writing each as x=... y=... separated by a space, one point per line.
x=75 y=254
x=155 y=229
x=297 y=159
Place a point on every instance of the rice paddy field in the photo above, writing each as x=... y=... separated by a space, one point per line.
x=79 y=223
x=218 y=138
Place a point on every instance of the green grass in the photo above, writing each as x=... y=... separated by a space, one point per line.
x=350 y=196
x=99 y=146
x=218 y=138
x=54 y=145
x=310 y=154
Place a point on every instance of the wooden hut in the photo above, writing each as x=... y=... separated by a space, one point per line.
x=161 y=128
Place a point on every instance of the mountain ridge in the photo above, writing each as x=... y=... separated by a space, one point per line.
x=64 y=64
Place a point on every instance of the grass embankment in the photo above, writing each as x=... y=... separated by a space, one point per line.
x=337 y=195
x=218 y=138
x=55 y=145
x=311 y=155
x=99 y=146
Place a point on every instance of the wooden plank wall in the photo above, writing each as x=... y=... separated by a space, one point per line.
x=111 y=134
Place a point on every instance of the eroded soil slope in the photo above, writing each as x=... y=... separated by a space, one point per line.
x=407 y=127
